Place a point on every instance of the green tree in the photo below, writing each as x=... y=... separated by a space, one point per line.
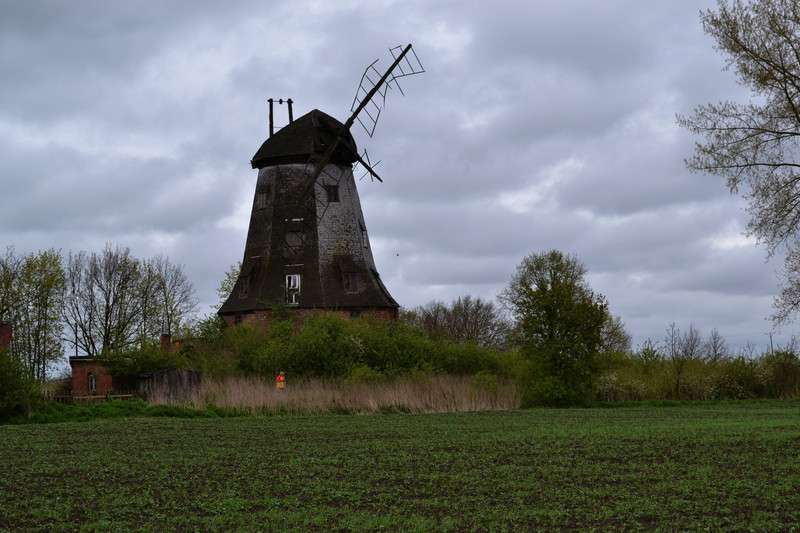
x=754 y=145
x=38 y=329
x=227 y=284
x=559 y=326
x=10 y=272
x=18 y=393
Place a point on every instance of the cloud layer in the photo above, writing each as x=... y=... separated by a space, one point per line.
x=536 y=126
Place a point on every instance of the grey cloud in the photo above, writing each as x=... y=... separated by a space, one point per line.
x=536 y=126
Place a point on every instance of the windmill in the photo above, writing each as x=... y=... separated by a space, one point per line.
x=307 y=245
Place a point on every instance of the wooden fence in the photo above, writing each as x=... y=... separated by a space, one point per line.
x=83 y=398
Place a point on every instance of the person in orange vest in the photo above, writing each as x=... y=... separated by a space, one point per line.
x=281 y=380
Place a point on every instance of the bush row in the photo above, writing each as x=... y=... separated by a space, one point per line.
x=331 y=346
x=631 y=378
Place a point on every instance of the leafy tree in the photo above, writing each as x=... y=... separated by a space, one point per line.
x=31 y=293
x=38 y=329
x=615 y=337
x=147 y=357
x=227 y=284
x=10 y=272
x=559 y=324
x=754 y=145
x=17 y=392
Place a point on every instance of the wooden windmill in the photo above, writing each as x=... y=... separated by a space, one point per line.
x=307 y=245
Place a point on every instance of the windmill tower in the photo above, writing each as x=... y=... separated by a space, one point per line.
x=307 y=245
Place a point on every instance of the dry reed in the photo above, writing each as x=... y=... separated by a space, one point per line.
x=424 y=394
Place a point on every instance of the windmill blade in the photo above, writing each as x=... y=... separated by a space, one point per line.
x=406 y=63
x=364 y=160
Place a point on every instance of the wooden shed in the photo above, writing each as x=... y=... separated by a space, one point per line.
x=168 y=385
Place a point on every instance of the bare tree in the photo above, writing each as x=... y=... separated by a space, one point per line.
x=748 y=351
x=148 y=291
x=681 y=349
x=755 y=145
x=101 y=305
x=115 y=301
x=176 y=294
x=432 y=318
x=715 y=348
x=475 y=319
x=465 y=319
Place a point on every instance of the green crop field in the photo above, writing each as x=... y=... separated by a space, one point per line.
x=699 y=467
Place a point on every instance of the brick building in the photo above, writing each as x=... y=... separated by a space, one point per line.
x=89 y=377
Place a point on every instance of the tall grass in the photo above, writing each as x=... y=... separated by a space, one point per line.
x=421 y=393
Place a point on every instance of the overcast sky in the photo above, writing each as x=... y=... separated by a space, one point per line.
x=537 y=125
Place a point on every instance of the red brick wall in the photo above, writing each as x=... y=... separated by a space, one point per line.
x=81 y=368
x=301 y=314
x=6 y=334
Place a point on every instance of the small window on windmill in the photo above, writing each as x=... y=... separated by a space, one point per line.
x=332 y=192
x=261 y=200
x=350 y=281
x=292 y=289
x=364 y=239
x=294 y=238
x=244 y=286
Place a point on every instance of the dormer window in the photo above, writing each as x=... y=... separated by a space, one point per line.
x=244 y=286
x=350 y=281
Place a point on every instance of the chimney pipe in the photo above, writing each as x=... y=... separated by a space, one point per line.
x=271 y=121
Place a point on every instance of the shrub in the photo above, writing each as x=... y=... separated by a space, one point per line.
x=778 y=375
x=615 y=388
x=734 y=379
x=547 y=391
x=145 y=358
x=320 y=348
x=484 y=381
x=18 y=394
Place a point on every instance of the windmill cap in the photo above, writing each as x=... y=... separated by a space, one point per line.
x=296 y=141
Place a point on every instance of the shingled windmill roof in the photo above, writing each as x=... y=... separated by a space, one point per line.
x=295 y=142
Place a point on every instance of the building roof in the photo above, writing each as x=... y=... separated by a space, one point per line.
x=295 y=142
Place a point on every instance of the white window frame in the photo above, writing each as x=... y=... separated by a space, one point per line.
x=292 y=289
